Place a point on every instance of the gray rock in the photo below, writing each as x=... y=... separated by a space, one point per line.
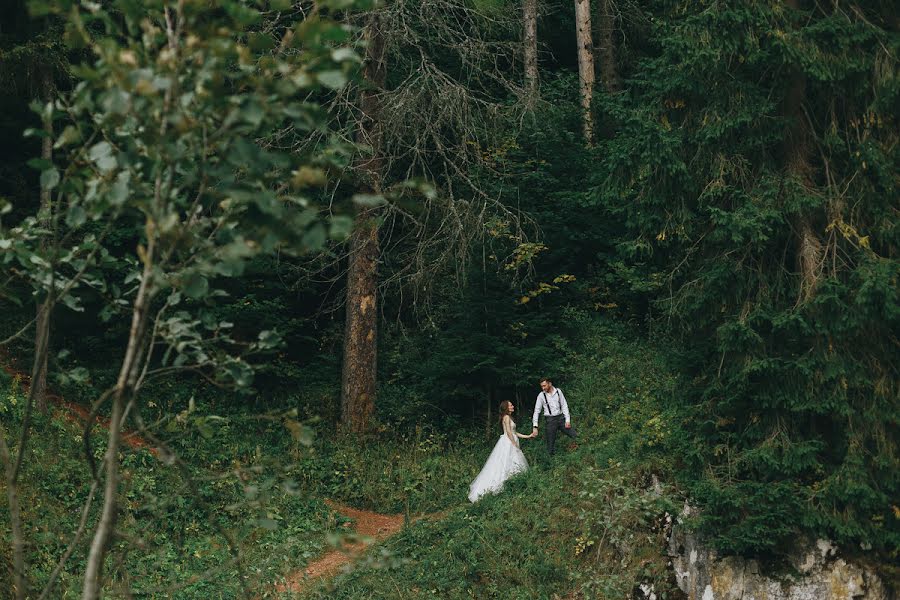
x=819 y=574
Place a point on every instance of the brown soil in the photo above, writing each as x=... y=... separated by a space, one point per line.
x=75 y=413
x=371 y=527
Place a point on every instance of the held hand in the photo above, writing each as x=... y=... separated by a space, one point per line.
x=568 y=425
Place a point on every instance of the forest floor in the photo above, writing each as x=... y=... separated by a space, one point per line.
x=368 y=527
x=75 y=413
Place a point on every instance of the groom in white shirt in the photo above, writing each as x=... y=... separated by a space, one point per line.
x=552 y=403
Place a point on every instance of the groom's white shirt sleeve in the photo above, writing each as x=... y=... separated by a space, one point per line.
x=565 y=405
x=537 y=410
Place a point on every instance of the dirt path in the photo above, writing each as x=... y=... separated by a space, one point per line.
x=370 y=527
x=75 y=413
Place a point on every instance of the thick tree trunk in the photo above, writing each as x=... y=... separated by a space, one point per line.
x=42 y=322
x=606 y=47
x=529 y=19
x=359 y=370
x=358 y=378
x=797 y=149
x=585 y=65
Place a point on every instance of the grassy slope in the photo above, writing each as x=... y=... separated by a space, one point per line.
x=586 y=523
x=172 y=526
x=553 y=530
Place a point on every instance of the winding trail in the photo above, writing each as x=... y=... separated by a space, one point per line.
x=369 y=527
x=75 y=413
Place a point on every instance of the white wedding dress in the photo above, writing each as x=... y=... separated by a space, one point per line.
x=505 y=461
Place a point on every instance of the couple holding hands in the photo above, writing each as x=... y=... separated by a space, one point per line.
x=507 y=458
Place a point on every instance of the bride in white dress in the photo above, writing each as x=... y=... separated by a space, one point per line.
x=505 y=460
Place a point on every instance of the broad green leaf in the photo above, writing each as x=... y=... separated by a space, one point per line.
x=340 y=227
x=107 y=163
x=252 y=112
x=269 y=339
x=261 y=42
x=315 y=237
x=78 y=374
x=40 y=164
x=75 y=216
x=195 y=285
x=368 y=200
x=99 y=150
x=72 y=302
x=68 y=136
x=118 y=193
x=345 y=55
x=333 y=79
x=49 y=179
x=338 y=4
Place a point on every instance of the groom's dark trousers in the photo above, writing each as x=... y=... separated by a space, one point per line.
x=556 y=424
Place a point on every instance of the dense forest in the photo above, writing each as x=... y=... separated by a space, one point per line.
x=264 y=259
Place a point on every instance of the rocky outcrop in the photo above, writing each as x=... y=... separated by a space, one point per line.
x=816 y=573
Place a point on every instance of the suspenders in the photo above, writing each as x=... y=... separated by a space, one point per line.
x=547 y=404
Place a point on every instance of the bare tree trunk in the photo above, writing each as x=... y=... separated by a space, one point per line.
x=585 y=65
x=124 y=389
x=358 y=377
x=42 y=321
x=606 y=47
x=797 y=148
x=15 y=518
x=103 y=535
x=529 y=19
x=359 y=369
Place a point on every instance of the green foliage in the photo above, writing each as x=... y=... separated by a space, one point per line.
x=590 y=523
x=773 y=410
x=414 y=473
x=273 y=527
x=164 y=141
x=161 y=139
x=795 y=411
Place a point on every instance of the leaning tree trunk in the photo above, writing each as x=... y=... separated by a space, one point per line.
x=797 y=148
x=585 y=65
x=529 y=19
x=358 y=377
x=42 y=319
x=606 y=47
x=125 y=385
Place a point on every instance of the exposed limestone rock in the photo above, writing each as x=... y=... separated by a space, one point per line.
x=818 y=574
